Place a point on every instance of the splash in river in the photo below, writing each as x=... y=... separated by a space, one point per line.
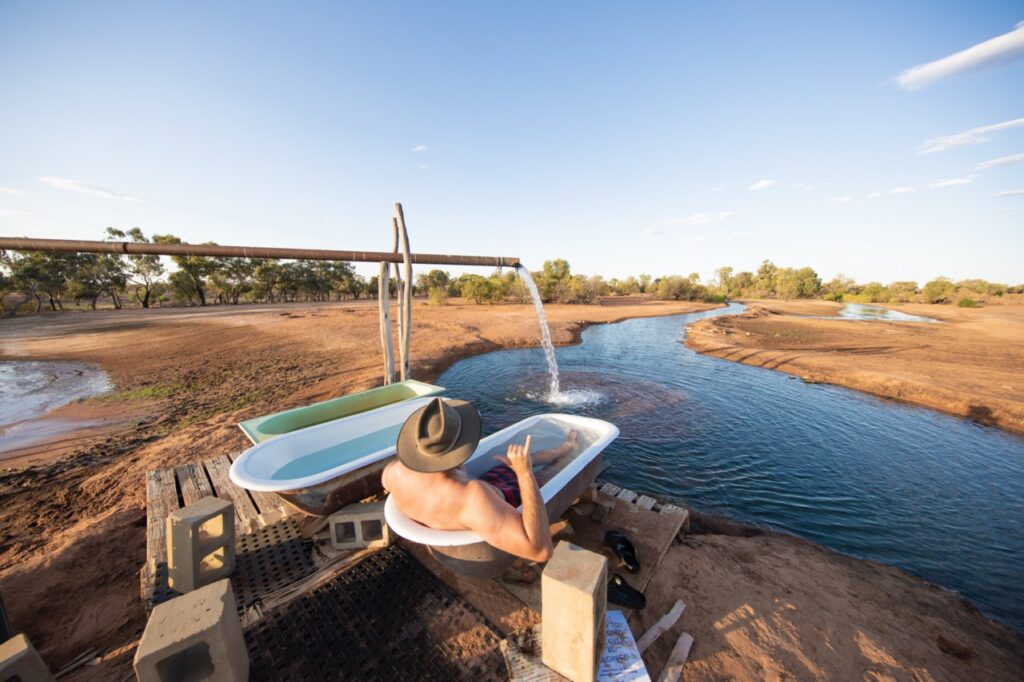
x=555 y=395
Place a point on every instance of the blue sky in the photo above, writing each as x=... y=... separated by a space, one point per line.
x=624 y=137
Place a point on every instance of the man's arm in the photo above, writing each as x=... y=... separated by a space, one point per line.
x=526 y=535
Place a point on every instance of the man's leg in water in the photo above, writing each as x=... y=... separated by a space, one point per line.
x=549 y=462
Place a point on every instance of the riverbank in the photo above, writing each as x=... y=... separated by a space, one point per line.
x=971 y=365
x=74 y=529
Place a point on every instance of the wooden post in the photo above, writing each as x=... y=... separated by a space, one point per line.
x=407 y=312
x=398 y=293
x=385 y=324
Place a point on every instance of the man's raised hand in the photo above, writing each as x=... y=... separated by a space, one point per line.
x=518 y=457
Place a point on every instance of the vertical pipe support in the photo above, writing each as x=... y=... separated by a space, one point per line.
x=385 y=323
x=406 y=294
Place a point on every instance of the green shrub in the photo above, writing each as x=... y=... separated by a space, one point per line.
x=438 y=295
x=967 y=303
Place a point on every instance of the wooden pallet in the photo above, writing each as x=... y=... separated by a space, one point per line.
x=172 y=488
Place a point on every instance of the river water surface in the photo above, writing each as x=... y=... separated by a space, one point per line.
x=940 y=497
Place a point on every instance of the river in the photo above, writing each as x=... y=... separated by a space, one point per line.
x=938 y=496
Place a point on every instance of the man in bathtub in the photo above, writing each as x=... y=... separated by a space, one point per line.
x=430 y=485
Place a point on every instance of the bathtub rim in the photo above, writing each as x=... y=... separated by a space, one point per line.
x=242 y=477
x=417 y=532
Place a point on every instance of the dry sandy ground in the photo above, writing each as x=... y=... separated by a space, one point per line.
x=971 y=365
x=72 y=531
x=763 y=606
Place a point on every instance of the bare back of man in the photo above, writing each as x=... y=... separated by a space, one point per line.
x=450 y=500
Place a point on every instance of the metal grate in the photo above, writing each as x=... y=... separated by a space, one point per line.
x=267 y=559
x=273 y=557
x=387 y=618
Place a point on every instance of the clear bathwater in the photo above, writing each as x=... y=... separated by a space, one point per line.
x=545 y=434
x=336 y=455
x=940 y=497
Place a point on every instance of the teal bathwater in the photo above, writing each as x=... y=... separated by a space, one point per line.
x=940 y=497
x=336 y=455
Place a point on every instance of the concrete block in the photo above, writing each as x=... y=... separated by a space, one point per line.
x=200 y=543
x=20 y=661
x=574 y=594
x=195 y=637
x=360 y=525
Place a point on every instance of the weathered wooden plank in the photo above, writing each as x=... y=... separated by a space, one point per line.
x=645 y=502
x=626 y=495
x=161 y=500
x=245 y=510
x=673 y=670
x=265 y=502
x=194 y=485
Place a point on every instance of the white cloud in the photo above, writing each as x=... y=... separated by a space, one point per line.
x=421 y=165
x=952 y=182
x=874 y=195
x=1002 y=48
x=718 y=188
x=419 y=148
x=1001 y=161
x=86 y=188
x=11 y=191
x=838 y=200
x=22 y=214
x=972 y=136
x=698 y=238
x=743 y=233
x=801 y=185
x=901 y=190
x=703 y=218
x=653 y=230
x=761 y=184
x=1010 y=193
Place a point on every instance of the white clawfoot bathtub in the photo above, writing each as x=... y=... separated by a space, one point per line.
x=325 y=467
x=465 y=551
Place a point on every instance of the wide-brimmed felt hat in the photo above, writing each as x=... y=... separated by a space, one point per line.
x=439 y=436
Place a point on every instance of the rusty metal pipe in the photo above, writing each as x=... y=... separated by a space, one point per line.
x=148 y=249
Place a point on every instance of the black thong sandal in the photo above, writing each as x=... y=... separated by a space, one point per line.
x=623 y=548
x=622 y=594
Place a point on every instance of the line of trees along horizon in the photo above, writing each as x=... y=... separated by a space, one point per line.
x=30 y=281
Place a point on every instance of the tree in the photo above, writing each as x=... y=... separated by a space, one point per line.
x=764 y=281
x=902 y=292
x=723 y=276
x=435 y=279
x=552 y=275
x=95 y=274
x=195 y=270
x=476 y=288
x=939 y=290
x=234 y=278
x=645 y=282
x=144 y=271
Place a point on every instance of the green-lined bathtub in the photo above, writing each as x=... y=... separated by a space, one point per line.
x=264 y=428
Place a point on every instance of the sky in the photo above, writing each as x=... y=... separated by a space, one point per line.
x=881 y=140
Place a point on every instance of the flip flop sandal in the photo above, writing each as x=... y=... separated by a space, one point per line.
x=623 y=549
x=622 y=594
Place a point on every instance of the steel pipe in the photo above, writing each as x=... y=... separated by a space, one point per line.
x=149 y=249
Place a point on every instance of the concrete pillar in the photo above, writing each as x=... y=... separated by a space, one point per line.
x=360 y=525
x=19 y=660
x=200 y=543
x=574 y=597
x=195 y=637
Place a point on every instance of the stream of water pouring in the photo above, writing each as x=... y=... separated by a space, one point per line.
x=554 y=390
